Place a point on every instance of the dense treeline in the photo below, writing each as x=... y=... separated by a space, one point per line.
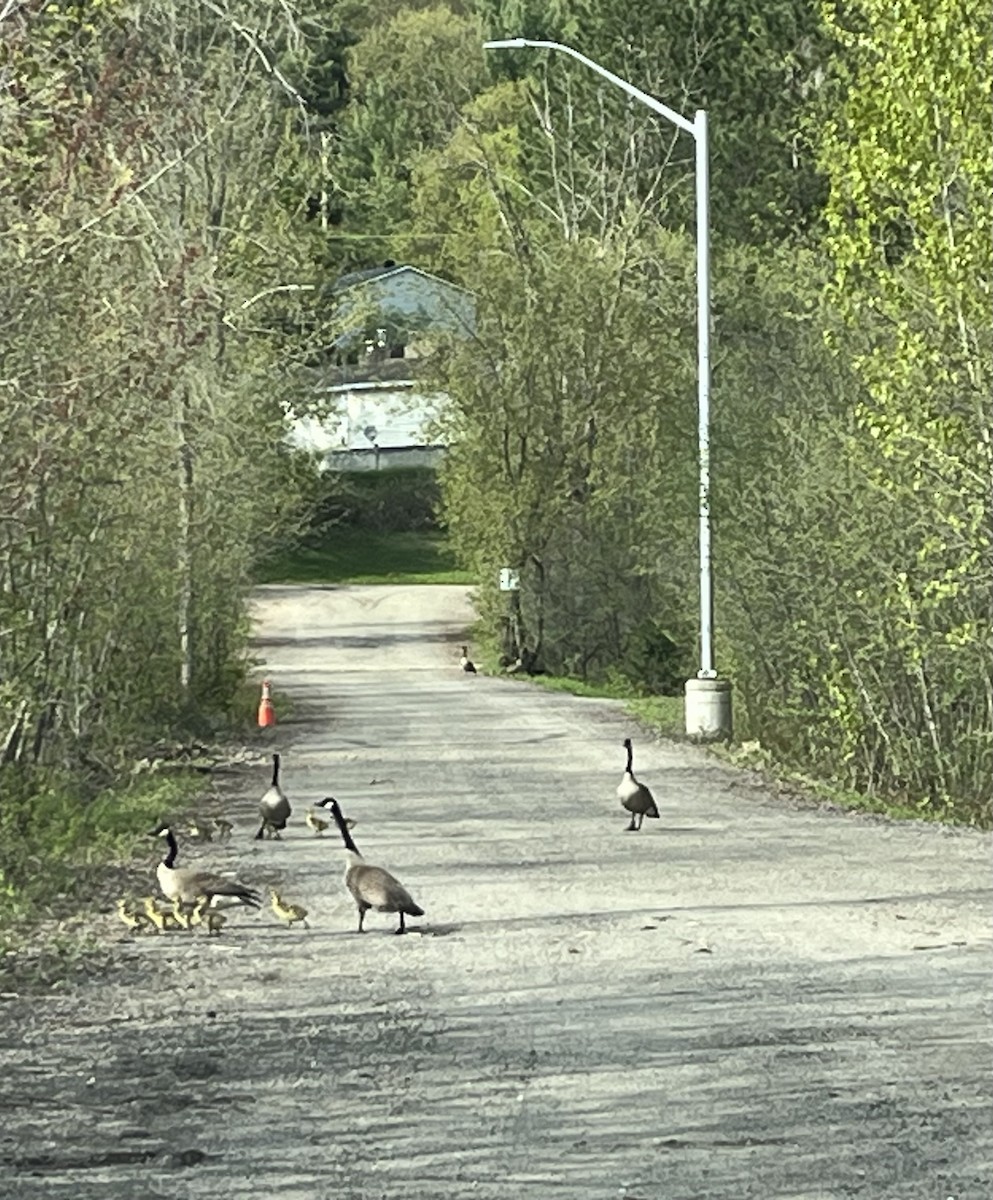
x=177 y=181
x=851 y=172
x=155 y=164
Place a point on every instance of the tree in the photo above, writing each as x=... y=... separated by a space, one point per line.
x=751 y=64
x=152 y=272
x=910 y=165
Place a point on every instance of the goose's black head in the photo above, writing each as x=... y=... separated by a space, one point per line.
x=627 y=743
x=163 y=830
x=332 y=805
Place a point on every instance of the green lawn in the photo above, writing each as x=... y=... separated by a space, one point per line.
x=347 y=555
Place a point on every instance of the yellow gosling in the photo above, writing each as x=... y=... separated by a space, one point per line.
x=131 y=917
x=222 y=828
x=181 y=915
x=203 y=914
x=290 y=913
x=201 y=831
x=196 y=916
x=161 y=920
x=317 y=824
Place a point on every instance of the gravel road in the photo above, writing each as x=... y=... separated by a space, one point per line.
x=749 y=998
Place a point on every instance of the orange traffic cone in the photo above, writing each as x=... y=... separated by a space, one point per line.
x=267 y=714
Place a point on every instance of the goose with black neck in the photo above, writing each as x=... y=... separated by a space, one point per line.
x=274 y=807
x=187 y=884
x=633 y=794
x=371 y=887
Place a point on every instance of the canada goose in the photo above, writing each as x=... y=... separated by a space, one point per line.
x=634 y=796
x=162 y=919
x=222 y=828
x=290 y=913
x=317 y=824
x=203 y=914
x=186 y=883
x=131 y=917
x=371 y=887
x=273 y=806
x=201 y=831
x=466 y=663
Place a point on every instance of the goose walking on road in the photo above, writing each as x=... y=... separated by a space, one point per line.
x=187 y=884
x=274 y=807
x=634 y=796
x=466 y=663
x=371 y=887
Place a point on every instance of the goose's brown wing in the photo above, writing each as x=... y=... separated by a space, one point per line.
x=207 y=883
x=381 y=891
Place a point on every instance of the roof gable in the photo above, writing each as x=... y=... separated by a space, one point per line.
x=391 y=271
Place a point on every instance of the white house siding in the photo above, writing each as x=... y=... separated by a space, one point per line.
x=381 y=460
x=388 y=413
x=390 y=417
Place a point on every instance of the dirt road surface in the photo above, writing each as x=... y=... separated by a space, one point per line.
x=749 y=998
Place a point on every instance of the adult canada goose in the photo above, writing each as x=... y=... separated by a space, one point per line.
x=273 y=806
x=188 y=884
x=316 y=823
x=131 y=917
x=466 y=663
x=371 y=887
x=290 y=913
x=634 y=796
x=204 y=915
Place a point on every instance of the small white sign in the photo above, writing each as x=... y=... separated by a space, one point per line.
x=510 y=581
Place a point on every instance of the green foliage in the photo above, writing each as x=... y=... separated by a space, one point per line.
x=140 y=452
x=752 y=64
x=815 y=556
x=409 y=74
x=909 y=229
x=572 y=425
x=396 y=500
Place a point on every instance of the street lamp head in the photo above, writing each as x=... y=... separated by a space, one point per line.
x=505 y=44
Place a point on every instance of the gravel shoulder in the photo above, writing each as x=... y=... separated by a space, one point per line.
x=743 y=1000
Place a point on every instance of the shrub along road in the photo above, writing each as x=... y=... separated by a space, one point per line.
x=749 y=998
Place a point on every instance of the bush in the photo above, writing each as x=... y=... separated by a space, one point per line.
x=397 y=500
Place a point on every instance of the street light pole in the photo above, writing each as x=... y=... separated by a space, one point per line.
x=708 y=698
x=702 y=175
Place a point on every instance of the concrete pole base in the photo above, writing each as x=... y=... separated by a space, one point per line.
x=708 y=709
